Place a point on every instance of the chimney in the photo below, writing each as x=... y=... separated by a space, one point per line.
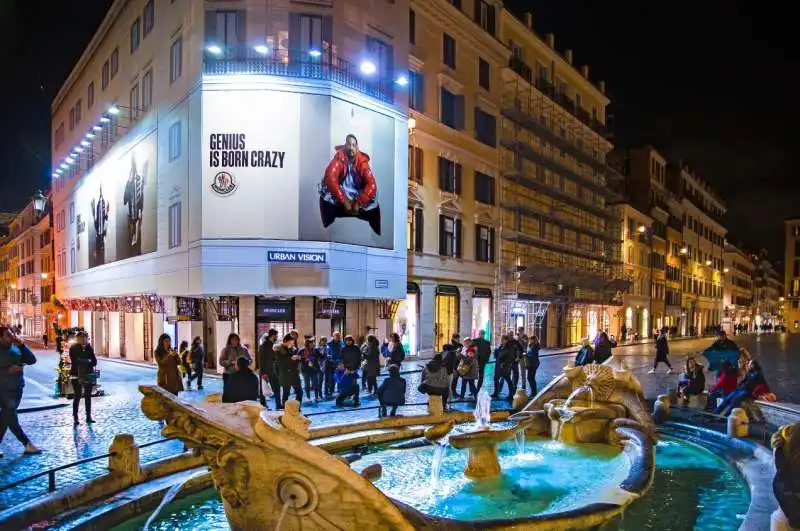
x=568 y=56
x=529 y=21
x=602 y=86
x=585 y=71
x=551 y=40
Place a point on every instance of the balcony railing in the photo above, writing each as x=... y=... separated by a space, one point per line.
x=313 y=65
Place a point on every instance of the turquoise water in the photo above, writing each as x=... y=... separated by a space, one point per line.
x=693 y=489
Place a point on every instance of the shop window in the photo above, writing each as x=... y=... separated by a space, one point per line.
x=446 y=323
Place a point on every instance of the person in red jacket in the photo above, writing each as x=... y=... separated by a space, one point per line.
x=727 y=382
x=348 y=187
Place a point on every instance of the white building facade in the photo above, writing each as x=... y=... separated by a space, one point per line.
x=200 y=174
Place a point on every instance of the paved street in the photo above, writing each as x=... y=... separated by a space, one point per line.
x=119 y=412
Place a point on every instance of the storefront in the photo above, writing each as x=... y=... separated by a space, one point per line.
x=446 y=315
x=575 y=326
x=329 y=317
x=482 y=312
x=274 y=313
x=592 y=324
x=405 y=322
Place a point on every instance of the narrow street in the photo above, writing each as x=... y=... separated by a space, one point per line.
x=119 y=412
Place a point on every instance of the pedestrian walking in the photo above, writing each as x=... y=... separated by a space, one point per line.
x=522 y=349
x=450 y=357
x=484 y=352
x=197 y=358
x=82 y=363
x=334 y=358
x=186 y=368
x=169 y=375
x=372 y=363
x=397 y=354
x=289 y=369
x=662 y=351
x=467 y=369
x=533 y=363
x=14 y=356
x=312 y=370
x=505 y=356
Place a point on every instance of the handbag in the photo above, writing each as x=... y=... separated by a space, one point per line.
x=463 y=368
x=266 y=388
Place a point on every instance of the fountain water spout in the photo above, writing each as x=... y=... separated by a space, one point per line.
x=483 y=410
x=168 y=497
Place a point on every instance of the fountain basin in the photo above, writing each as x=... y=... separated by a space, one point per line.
x=481 y=446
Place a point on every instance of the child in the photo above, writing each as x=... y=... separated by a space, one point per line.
x=392 y=391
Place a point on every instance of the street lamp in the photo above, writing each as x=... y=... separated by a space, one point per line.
x=39 y=202
x=44 y=276
x=642 y=229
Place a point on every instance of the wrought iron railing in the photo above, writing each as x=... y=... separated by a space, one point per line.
x=304 y=64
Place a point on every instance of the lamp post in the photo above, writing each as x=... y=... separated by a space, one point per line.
x=39 y=205
x=684 y=253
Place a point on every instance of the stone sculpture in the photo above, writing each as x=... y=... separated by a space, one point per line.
x=786 y=485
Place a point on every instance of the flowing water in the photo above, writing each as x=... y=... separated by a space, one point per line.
x=168 y=497
x=483 y=410
x=578 y=392
x=436 y=463
x=519 y=438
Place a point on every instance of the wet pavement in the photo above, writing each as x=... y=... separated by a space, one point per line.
x=119 y=412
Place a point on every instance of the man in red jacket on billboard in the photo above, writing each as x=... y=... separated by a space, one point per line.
x=348 y=188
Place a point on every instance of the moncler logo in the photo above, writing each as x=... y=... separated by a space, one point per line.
x=223 y=184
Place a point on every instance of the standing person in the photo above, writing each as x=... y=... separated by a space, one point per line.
x=183 y=352
x=197 y=358
x=505 y=357
x=312 y=370
x=169 y=375
x=662 y=351
x=289 y=370
x=82 y=363
x=518 y=353
x=468 y=369
x=324 y=354
x=14 y=355
x=267 y=367
x=450 y=356
x=533 y=363
x=435 y=380
x=242 y=384
x=372 y=363
x=397 y=354
x=484 y=351
x=334 y=358
x=522 y=341
x=351 y=360
x=392 y=392
x=233 y=351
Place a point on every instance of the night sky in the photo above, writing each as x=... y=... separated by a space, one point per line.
x=711 y=82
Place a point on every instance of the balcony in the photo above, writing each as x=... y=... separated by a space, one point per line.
x=322 y=66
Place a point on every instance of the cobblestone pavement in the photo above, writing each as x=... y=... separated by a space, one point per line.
x=119 y=412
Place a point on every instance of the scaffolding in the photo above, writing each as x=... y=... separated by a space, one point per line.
x=560 y=244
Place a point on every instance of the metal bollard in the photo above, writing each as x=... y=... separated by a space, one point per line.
x=738 y=423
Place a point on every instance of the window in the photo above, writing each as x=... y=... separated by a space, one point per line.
x=136 y=34
x=78 y=112
x=174 y=225
x=484 y=188
x=484 y=244
x=383 y=55
x=416 y=91
x=452 y=109
x=485 y=16
x=307 y=33
x=148 y=17
x=72 y=260
x=414 y=226
x=72 y=213
x=449 y=51
x=71 y=118
x=104 y=76
x=449 y=236
x=485 y=127
x=134 y=102
x=147 y=90
x=90 y=95
x=174 y=141
x=176 y=59
x=449 y=176
x=114 y=62
x=484 y=74
x=412 y=27
x=59 y=136
x=415 y=164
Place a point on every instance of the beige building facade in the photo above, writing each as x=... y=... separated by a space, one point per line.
x=791 y=280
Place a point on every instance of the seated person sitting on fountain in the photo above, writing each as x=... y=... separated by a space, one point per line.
x=241 y=385
x=585 y=354
x=347 y=380
x=753 y=380
x=692 y=381
x=392 y=392
x=435 y=379
x=726 y=384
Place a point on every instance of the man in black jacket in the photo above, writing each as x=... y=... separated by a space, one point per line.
x=289 y=369
x=450 y=356
x=82 y=363
x=242 y=385
x=267 y=366
x=484 y=351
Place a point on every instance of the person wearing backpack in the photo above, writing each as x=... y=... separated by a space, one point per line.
x=467 y=368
